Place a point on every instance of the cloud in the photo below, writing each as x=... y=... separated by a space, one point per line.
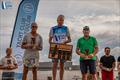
x=71 y=8
x=102 y=17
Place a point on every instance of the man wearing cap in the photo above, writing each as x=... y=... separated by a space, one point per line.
x=87 y=49
x=32 y=43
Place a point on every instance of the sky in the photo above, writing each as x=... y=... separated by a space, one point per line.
x=102 y=16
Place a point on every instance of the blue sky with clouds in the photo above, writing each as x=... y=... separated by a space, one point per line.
x=103 y=17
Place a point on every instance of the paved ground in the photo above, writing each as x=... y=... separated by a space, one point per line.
x=69 y=75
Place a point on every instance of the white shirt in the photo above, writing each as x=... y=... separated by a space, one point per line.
x=8 y=61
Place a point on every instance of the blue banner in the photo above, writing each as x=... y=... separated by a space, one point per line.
x=25 y=16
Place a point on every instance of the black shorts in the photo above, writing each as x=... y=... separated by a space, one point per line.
x=88 y=65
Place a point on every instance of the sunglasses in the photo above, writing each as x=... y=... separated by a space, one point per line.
x=34 y=26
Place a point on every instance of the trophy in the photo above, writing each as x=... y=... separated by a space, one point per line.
x=86 y=53
x=33 y=42
x=60 y=51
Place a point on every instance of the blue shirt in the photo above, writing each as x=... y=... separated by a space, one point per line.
x=59 y=33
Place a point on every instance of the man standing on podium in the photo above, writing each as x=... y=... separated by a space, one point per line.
x=87 y=49
x=32 y=43
x=59 y=34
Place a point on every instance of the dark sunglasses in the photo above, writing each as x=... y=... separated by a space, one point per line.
x=34 y=26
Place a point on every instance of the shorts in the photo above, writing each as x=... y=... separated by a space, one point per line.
x=57 y=60
x=31 y=59
x=8 y=76
x=107 y=75
x=86 y=65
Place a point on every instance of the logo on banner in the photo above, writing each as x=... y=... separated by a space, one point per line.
x=19 y=59
x=28 y=8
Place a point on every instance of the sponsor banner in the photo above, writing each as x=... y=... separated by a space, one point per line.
x=25 y=16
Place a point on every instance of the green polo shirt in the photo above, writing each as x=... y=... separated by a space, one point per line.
x=84 y=44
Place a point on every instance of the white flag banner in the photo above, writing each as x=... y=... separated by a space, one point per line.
x=25 y=16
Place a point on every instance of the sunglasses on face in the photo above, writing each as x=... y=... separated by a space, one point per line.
x=34 y=26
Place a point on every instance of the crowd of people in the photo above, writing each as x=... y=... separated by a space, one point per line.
x=86 y=49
